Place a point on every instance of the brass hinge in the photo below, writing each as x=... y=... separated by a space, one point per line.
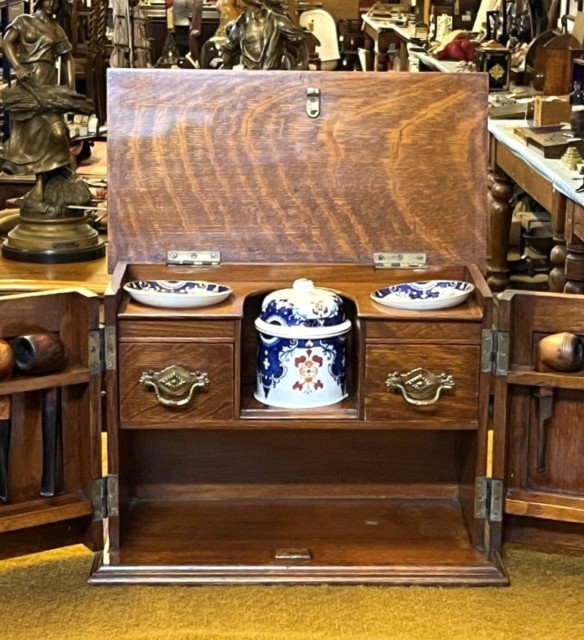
x=109 y=348
x=105 y=497
x=488 y=504
x=96 y=363
x=392 y=260
x=495 y=352
x=195 y=258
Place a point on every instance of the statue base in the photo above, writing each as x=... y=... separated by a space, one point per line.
x=53 y=240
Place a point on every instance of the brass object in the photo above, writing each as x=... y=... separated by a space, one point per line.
x=49 y=231
x=174 y=386
x=293 y=554
x=313 y=102
x=572 y=158
x=39 y=353
x=264 y=37
x=559 y=352
x=419 y=386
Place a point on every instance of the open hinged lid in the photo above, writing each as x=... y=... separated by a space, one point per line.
x=277 y=166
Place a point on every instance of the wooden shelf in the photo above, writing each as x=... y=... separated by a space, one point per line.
x=527 y=376
x=43 y=511
x=252 y=409
x=358 y=540
x=538 y=504
x=73 y=374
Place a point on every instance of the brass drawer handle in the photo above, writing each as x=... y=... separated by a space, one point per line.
x=419 y=386
x=174 y=386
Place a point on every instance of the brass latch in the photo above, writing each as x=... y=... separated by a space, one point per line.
x=313 y=102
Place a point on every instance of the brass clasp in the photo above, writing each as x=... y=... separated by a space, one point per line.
x=419 y=386
x=313 y=102
x=174 y=386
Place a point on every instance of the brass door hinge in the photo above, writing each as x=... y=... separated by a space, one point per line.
x=393 y=260
x=105 y=497
x=96 y=363
x=495 y=352
x=102 y=349
x=488 y=504
x=194 y=258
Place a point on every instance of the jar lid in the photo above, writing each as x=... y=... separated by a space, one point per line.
x=303 y=305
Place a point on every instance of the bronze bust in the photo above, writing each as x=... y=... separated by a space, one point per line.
x=39 y=140
x=264 y=37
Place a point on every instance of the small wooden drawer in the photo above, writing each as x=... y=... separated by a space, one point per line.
x=436 y=332
x=141 y=408
x=176 y=330
x=455 y=408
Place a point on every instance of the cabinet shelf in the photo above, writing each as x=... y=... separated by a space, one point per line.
x=538 y=504
x=389 y=540
x=529 y=377
x=252 y=409
x=73 y=374
x=43 y=511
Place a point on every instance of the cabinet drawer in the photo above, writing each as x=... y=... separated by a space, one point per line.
x=139 y=407
x=460 y=405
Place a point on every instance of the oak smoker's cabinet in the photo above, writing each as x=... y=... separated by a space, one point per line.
x=230 y=180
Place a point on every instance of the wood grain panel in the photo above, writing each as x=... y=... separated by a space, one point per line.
x=185 y=464
x=140 y=408
x=459 y=405
x=231 y=161
x=448 y=333
x=200 y=329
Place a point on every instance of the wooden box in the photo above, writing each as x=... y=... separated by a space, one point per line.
x=496 y=62
x=546 y=111
x=550 y=140
x=373 y=489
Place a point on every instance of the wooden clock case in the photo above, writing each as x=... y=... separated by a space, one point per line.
x=256 y=179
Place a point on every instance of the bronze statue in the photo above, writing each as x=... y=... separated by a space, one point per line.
x=264 y=37
x=39 y=138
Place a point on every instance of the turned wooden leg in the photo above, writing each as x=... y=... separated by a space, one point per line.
x=575 y=249
x=557 y=276
x=499 y=226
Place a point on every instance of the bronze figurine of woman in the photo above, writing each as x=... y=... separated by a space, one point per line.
x=39 y=139
x=264 y=37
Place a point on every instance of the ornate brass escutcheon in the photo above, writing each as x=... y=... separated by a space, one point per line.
x=419 y=386
x=174 y=386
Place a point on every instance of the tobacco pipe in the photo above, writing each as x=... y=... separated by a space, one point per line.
x=39 y=353
x=4 y=446
x=559 y=352
x=51 y=430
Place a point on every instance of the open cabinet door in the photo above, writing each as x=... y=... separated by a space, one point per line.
x=50 y=432
x=539 y=419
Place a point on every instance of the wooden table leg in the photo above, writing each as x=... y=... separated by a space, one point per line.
x=499 y=225
x=557 y=276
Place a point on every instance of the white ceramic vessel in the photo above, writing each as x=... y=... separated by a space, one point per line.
x=177 y=294
x=428 y=295
x=302 y=334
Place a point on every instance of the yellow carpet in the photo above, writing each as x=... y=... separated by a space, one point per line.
x=45 y=597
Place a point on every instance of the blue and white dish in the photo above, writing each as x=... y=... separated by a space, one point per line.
x=424 y=296
x=177 y=294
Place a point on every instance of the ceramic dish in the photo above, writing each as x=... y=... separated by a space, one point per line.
x=177 y=294
x=424 y=296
